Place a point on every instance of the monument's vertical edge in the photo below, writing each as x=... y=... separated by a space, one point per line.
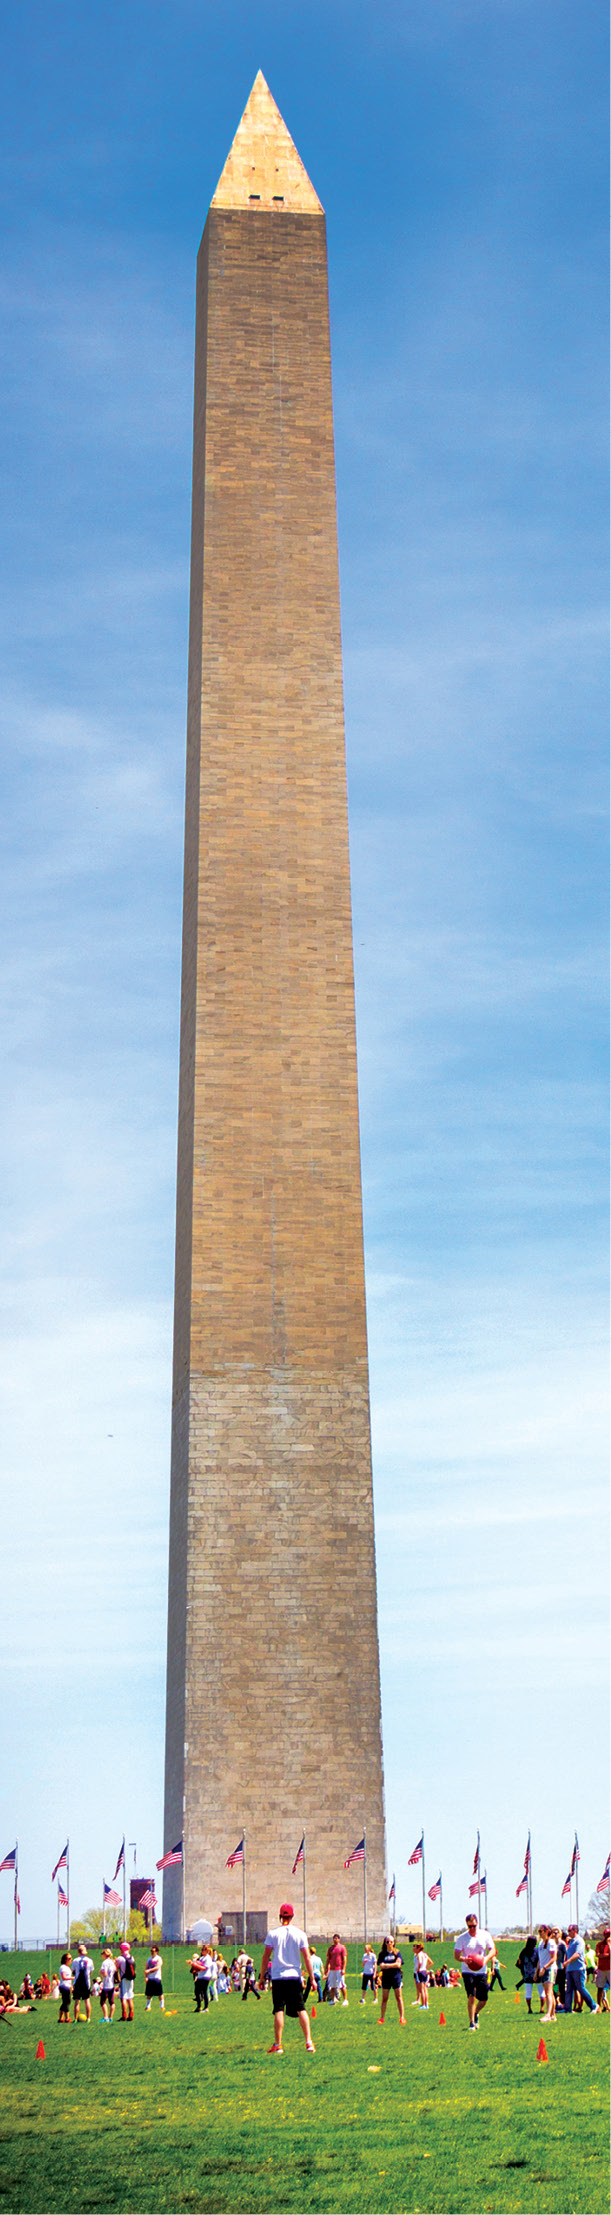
x=273 y=1678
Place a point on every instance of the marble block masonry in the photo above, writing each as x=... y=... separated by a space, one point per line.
x=273 y=1696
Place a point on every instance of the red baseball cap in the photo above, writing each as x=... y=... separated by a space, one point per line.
x=287 y=1910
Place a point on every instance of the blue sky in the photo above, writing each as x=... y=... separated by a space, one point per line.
x=459 y=151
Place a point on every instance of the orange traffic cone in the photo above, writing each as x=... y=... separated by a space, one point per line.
x=313 y=2014
x=442 y=2020
x=516 y=1999
x=40 y=2051
x=542 y=2053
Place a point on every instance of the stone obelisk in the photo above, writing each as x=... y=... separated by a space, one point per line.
x=273 y=1700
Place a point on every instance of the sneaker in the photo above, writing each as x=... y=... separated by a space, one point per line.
x=274 y=2049
x=310 y=2049
x=344 y=2003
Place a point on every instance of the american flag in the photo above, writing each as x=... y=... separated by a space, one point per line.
x=417 y=1853
x=566 y=1887
x=61 y=1864
x=121 y=1860
x=474 y=1889
x=111 y=1899
x=391 y=1894
x=62 y=1897
x=476 y=1857
x=576 y=1857
x=604 y=1882
x=435 y=1890
x=147 y=1899
x=523 y=1885
x=300 y=1856
x=358 y=1853
x=233 y=1859
x=169 y=1861
x=10 y=1860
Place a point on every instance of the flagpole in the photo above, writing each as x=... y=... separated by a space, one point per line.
x=365 y=1883
x=124 y=1902
x=103 y=1908
x=58 y=1911
x=394 y=1905
x=183 y=1912
x=68 y=1891
x=479 y=1884
x=576 y=1857
x=244 y=1890
x=423 y=1894
x=16 y=1893
x=440 y=1909
x=529 y=1896
x=305 y=1918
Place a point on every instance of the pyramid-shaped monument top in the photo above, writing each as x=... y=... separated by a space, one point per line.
x=263 y=168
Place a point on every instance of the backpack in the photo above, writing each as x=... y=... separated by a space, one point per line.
x=129 y=1967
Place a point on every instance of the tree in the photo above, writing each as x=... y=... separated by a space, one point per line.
x=138 y=1929
x=597 y=1916
x=90 y=1927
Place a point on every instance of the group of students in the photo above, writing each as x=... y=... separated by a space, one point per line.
x=558 y=1963
x=78 y=1984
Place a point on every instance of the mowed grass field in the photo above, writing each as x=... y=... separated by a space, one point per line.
x=187 y=2111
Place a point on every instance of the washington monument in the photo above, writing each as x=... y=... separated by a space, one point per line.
x=273 y=1700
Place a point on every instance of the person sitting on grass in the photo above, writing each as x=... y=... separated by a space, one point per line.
x=283 y=1952
x=390 y=1967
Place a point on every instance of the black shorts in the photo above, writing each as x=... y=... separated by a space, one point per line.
x=368 y=1979
x=287 y=1995
x=391 y=1980
x=153 y=1989
x=81 y=1990
x=476 y=1984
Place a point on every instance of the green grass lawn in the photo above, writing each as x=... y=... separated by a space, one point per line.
x=189 y=2111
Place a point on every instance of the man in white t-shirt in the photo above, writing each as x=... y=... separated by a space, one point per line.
x=284 y=1950
x=474 y=1949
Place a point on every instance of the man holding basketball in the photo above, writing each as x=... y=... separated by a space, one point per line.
x=474 y=1949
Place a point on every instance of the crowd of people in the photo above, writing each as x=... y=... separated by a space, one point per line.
x=555 y=1966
